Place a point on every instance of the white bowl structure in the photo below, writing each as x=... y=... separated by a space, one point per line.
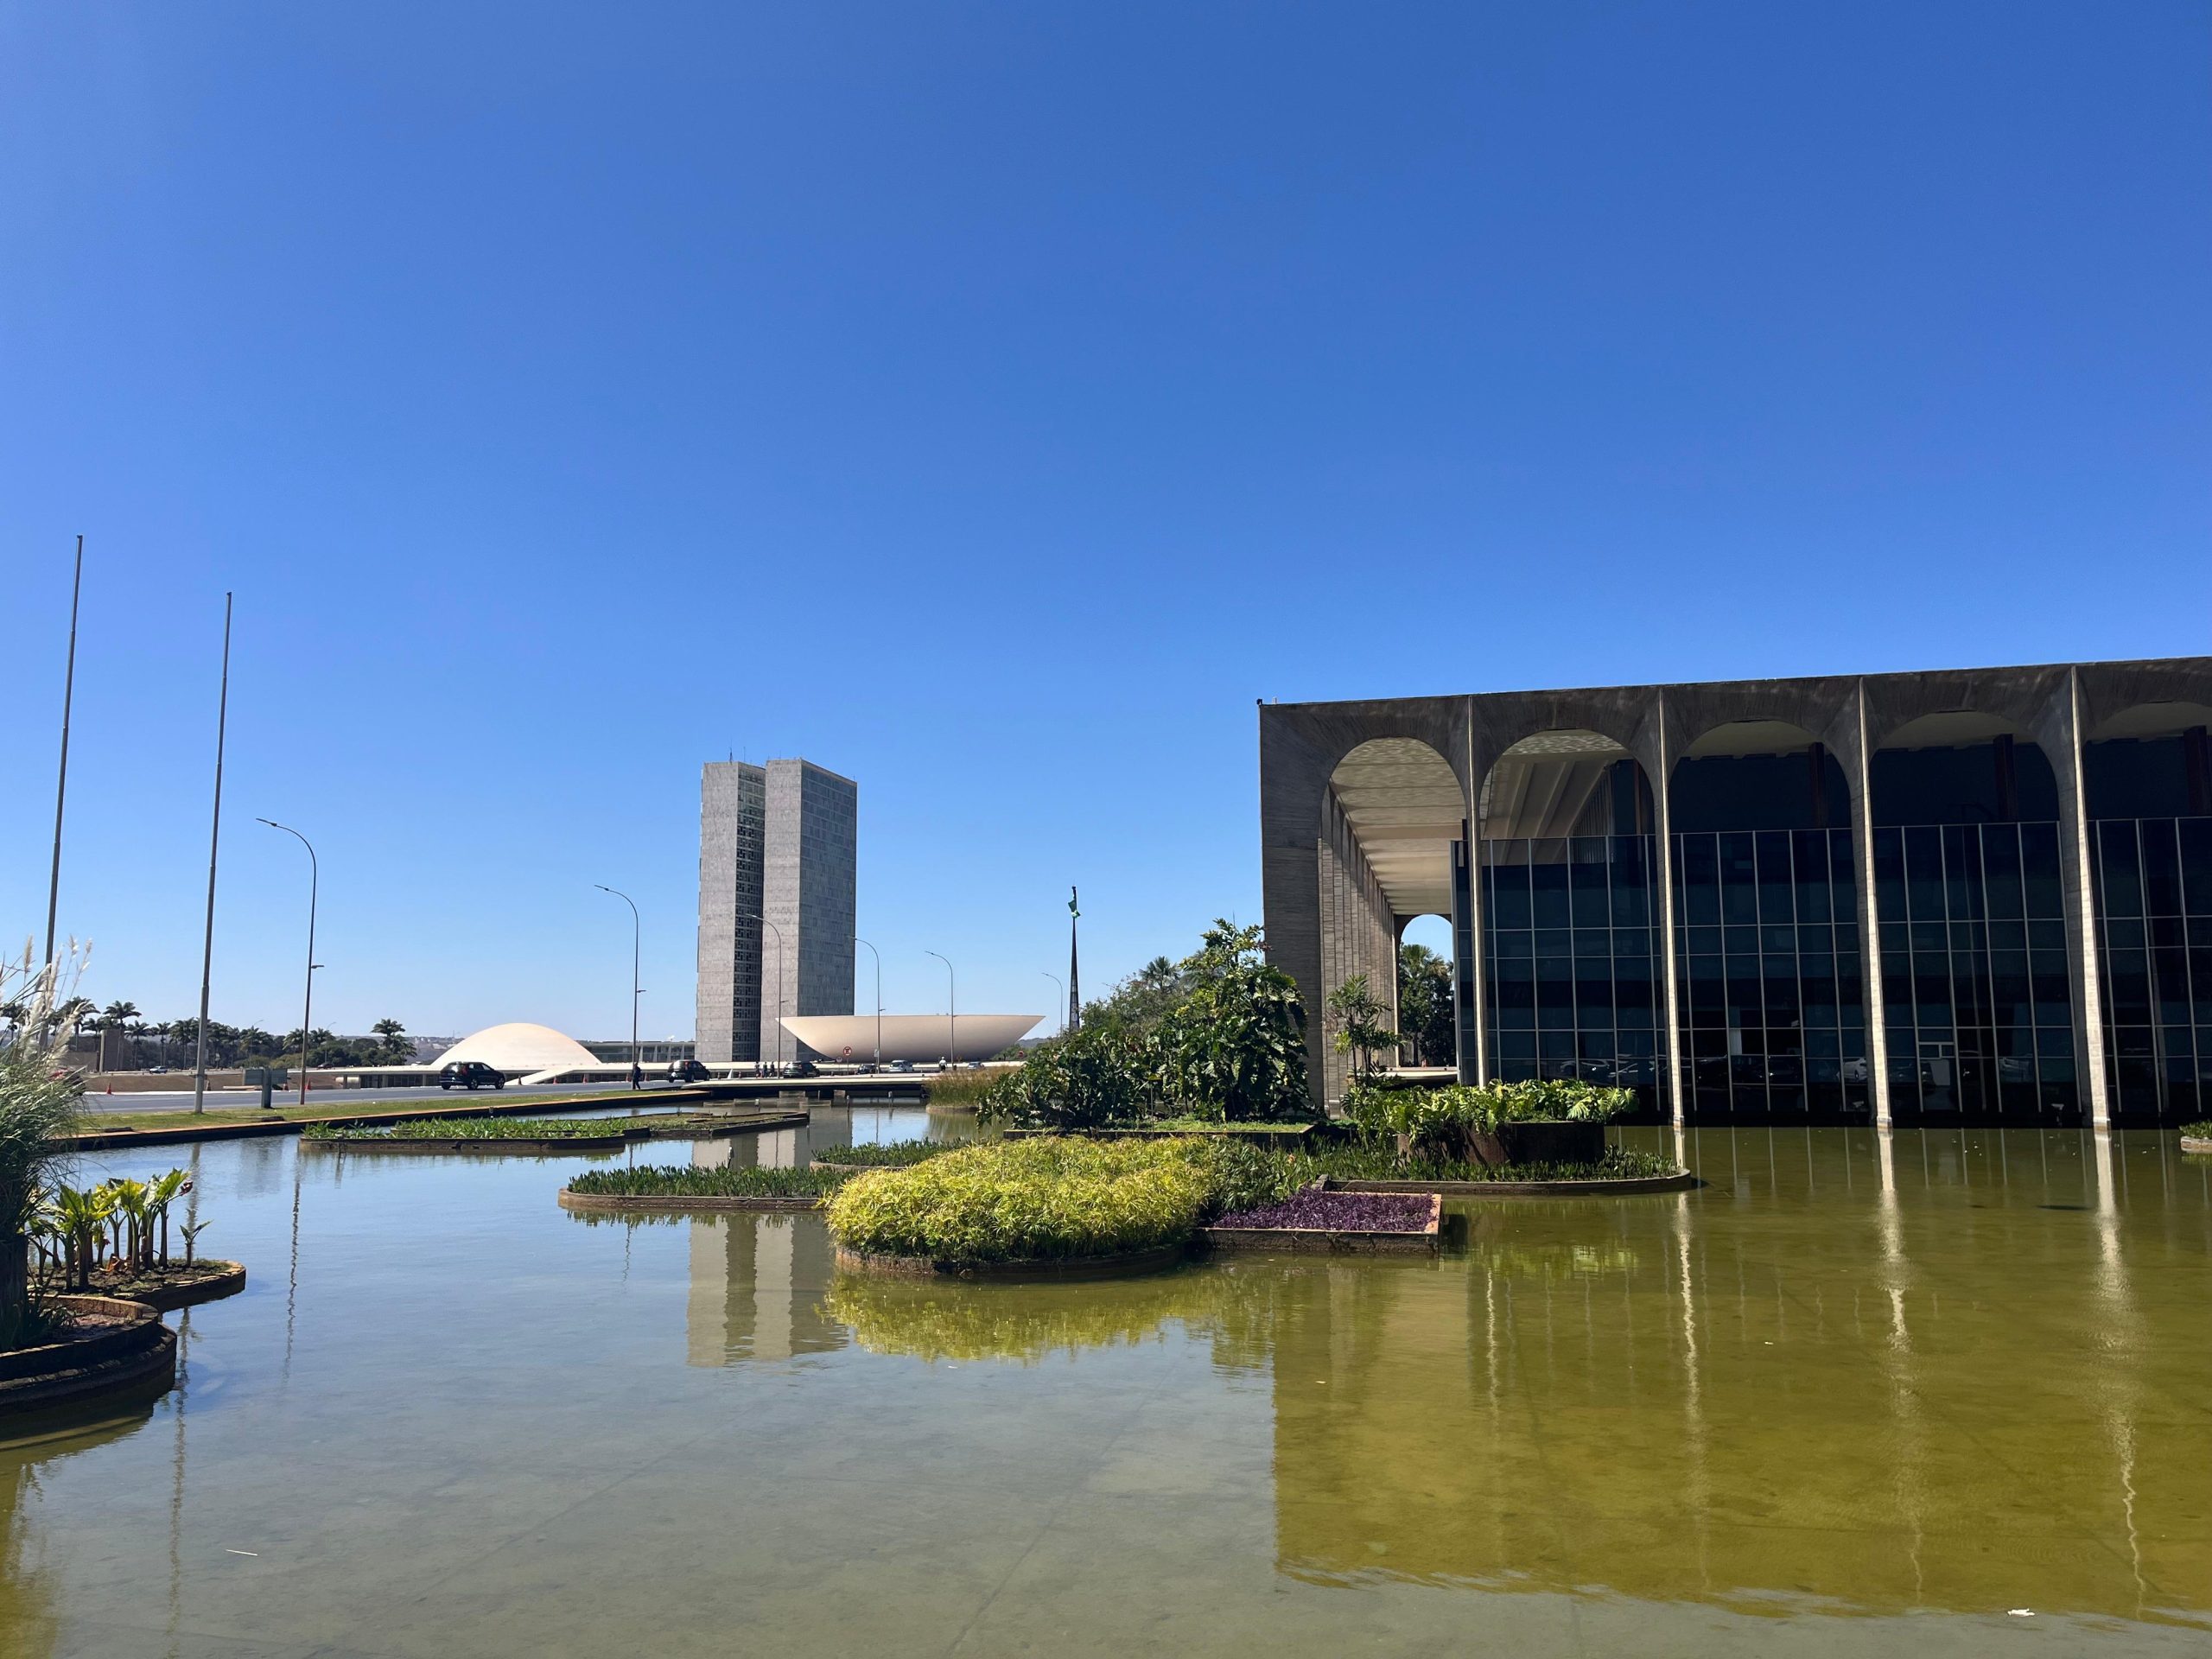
x=852 y=1037
x=520 y=1049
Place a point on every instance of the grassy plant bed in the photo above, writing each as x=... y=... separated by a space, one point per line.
x=1049 y=1205
x=1369 y=1168
x=885 y=1154
x=1318 y=1221
x=2196 y=1137
x=177 y=1284
x=687 y=1186
x=486 y=1134
x=93 y=1348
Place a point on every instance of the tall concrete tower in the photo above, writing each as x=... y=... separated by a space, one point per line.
x=778 y=850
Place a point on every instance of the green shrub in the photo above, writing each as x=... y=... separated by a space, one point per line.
x=2202 y=1131
x=1049 y=1198
x=1096 y=1077
x=1433 y=1113
x=1235 y=1048
x=886 y=1154
x=693 y=1181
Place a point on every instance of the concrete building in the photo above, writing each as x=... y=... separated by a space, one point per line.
x=1975 y=896
x=778 y=891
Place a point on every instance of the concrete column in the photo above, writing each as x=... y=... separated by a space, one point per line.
x=1476 y=1067
x=1869 y=922
x=2076 y=876
x=1670 y=951
x=1466 y=967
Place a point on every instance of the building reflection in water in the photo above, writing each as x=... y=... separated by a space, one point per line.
x=1853 y=1373
x=757 y=1281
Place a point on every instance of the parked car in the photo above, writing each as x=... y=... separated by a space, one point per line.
x=688 y=1072
x=471 y=1075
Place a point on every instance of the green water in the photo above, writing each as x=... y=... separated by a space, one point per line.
x=1838 y=1400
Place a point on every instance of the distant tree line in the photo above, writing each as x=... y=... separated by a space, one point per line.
x=175 y=1042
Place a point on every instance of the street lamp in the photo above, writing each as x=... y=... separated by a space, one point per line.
x=755 y=916
x=878 y=955
x=1060 y=991
x=951 y=1011
x=307 y=1003
x=637 y=933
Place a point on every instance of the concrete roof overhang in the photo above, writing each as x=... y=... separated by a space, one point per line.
x=1404 y=806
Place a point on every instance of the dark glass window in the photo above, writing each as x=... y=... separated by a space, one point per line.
x=1574 y=981
x=2154 y=923
x=1971 y=1015
x=1783 y=984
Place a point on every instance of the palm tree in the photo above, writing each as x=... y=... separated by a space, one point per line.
x=68 y=1018
x=395 y=1037
x=118 y=1015
x=160 y=1194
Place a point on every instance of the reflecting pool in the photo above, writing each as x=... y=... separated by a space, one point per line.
x=1950 y=1388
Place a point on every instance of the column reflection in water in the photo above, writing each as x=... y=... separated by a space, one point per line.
x=1856 y=1373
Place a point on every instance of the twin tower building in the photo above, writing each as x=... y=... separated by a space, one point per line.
x=777 y=890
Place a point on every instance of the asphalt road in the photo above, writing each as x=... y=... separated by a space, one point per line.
x=339 y=1100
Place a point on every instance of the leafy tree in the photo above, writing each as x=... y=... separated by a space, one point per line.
x=1363 y=1023
x=1235 y=1047
x=1142 y=1000
x=1425 y=1010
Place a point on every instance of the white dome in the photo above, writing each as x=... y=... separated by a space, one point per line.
x=520 y=1047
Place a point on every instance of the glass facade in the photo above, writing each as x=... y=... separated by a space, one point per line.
x=1573 y=984
x=2154 y=879
x=1774 y=1020
x=1979 y=1000
x=1975 y=986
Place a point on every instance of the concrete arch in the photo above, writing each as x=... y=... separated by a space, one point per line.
x=1391 y=811
x=1310 y=888
x=1567 y=839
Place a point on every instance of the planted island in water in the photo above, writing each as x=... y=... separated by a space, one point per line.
x=1058 y=1199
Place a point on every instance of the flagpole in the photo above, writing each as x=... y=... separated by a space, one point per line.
x=214 y=841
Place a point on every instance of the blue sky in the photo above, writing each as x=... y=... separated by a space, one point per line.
x=990 y=402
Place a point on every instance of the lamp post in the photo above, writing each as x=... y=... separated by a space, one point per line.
x=61 y=785
x=637 y=933
x=214 y=845
x=951 y=1011
x=878 y=955
x=755 y=916
x=306 y=1002
x=1059 y=990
